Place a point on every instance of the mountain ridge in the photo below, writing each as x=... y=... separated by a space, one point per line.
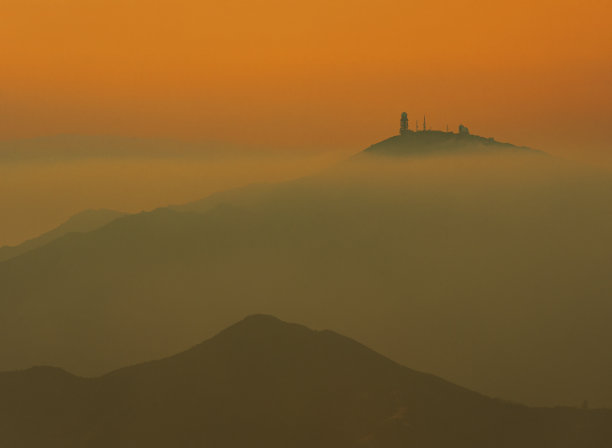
x=417 y=248
x=82 y=222
x=276 y=384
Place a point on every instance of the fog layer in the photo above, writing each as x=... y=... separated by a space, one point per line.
x=490 y=272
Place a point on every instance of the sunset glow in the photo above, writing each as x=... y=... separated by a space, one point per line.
x=308 y=74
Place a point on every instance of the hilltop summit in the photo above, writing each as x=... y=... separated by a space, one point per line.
x=440 y=143
x=427 y=142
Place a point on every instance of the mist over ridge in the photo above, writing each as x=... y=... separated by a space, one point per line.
x=330 y=224
x=489 y=271
x=46 y=180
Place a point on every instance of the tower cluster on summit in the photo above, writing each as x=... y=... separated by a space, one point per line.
x=405 y=127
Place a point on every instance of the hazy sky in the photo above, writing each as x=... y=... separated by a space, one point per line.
x=317 y=72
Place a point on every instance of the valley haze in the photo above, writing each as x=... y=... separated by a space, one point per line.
x=333 y=223
x=488 y=269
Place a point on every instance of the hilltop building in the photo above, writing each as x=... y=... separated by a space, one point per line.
x=422 y=141
x=404 y=124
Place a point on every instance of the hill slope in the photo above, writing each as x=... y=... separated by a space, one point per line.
x=504 y=271
x=266 y=383
x=86 y=221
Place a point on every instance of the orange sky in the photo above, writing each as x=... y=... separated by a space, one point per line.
x=312 y=73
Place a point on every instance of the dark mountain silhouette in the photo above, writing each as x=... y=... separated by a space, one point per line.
x=439 y=143
x=503 y=271
x=266 y=383
x=85 y=221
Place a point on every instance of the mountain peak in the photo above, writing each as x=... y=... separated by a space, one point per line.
x=440 y=143
x=261 y=327
x=277 y=385
x=263 y=319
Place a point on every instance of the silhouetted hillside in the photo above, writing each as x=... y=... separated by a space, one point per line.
x=266 y=383
x=439 y=143
x=494 y=276
x=86 y=221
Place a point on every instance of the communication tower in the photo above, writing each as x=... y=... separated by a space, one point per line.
x=404 y=124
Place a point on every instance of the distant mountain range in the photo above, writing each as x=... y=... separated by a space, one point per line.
x=494 y=276
x=439 y=143
x=266 y=383
x=85 y=221
x=66 y=147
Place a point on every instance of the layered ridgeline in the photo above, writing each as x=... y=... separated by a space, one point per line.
x=491 y=272
x=85 y=221
x=266 y=383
